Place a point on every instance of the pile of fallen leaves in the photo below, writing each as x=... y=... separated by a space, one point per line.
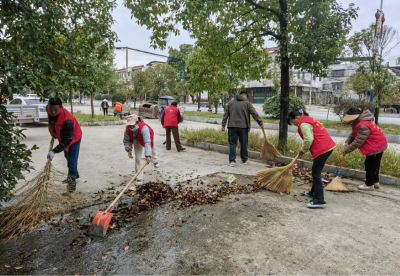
x=213 y=194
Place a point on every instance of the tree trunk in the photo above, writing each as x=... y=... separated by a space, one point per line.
x=80 y=98
x=285 y=78
x=134 y=103
x=198 y=102
x=70 y=100
x=91 y=103
x=376 y=112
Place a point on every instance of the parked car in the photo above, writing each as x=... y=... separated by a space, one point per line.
x=27 y=110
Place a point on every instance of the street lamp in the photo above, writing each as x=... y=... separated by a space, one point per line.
x=126 y=66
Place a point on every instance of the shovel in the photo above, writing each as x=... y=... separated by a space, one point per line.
x=102 y=219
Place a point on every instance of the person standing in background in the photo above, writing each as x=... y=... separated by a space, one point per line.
x=104 y=106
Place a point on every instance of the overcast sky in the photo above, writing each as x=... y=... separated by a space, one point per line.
x=132 y=35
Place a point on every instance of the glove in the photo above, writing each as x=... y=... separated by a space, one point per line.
x=51 y=155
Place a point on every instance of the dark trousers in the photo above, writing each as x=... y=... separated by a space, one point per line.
x=105 y=111
x=233 y=134
x=372 y=165
x=175 y=133
x=72 y=160
x=317 y=190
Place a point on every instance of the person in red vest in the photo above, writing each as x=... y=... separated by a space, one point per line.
x=139 y=135
x=170 y=119
x=64 y=126
x=118 y=110
x=317 y=140
x=370 y=140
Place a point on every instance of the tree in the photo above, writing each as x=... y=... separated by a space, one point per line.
x=160 y=80
x=310 y=34
x=358 y=83
x=369 y=55
x=45 y=48
x=138 y=81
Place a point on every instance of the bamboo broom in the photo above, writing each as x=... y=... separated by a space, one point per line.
x=39 y=198
x=336 y=184
x=268 y=149
x=278 y=179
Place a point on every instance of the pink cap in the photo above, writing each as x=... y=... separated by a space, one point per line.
x=132 y=119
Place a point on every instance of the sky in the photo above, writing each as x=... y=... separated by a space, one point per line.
x=135 y=36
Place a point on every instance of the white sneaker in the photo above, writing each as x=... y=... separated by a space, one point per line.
x=245 y=163
x=364 y=187
x=139 y=182
x=232 y=164
x=308 y=193
x=156 y=165
x=316 y=205
x=377 y=186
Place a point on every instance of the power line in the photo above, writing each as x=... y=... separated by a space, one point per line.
x=145 y=52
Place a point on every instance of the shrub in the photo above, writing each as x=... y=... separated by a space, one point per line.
x=118 y=97
x=272 y=105
x=15 y=156
x=345 y=104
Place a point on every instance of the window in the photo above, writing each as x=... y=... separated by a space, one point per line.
x=16 y=101
x=337 y=85
x=338 y=73
x=398 y=61
x=270 y=92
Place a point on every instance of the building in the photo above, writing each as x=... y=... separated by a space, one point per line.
x=301 y=83
x=394 y=62
x=122 y=72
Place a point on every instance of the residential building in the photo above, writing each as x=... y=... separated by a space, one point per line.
x=122 y=72
x=394 y=62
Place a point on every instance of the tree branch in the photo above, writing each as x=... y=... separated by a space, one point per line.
x=252 y=39
x=258 y=6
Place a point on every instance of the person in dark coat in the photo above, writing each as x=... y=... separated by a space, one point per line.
x=105 y=106
x=237 y=113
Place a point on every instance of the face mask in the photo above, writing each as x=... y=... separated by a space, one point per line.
x=135 y=128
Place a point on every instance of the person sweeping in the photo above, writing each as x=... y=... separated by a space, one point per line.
x=64 y=126
x=317 y=140
x=138 y=136
x=370 y=140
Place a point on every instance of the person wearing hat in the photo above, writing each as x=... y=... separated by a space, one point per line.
x=138 y=136
x=104 y=106
x=370 y=140
x=170 y=119
x=317 y=140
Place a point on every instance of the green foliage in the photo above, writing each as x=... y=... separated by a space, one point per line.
x=118 y=97
x=363 y=51
x=345 y=104
x=358 y=83
x=160 y=80
x=177 y=59
x=138 y=82
x=14 y=155
x=229 y=33
x=272 y=105
x=389 y=165
x=97 y=118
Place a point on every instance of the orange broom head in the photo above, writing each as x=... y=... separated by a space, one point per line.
x=268 y=149
x=336 y=185
x=100 y=223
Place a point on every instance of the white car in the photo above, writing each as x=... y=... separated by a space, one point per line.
x=28 y=110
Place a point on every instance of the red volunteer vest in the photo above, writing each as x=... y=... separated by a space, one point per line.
x=322 y=140
x=376 y=139
x=62 y=117
x=171 y=116
x=139 y=134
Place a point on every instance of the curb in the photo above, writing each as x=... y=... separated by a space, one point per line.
x=350 y=173
x=391 y=138
x=102 y=123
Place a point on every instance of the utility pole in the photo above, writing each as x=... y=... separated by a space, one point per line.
x=126 y=68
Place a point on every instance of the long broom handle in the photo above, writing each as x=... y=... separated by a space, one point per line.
x=51 y=144
x=126 y=187
x=265 y=136
x=294 y=160
x=340 y=169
